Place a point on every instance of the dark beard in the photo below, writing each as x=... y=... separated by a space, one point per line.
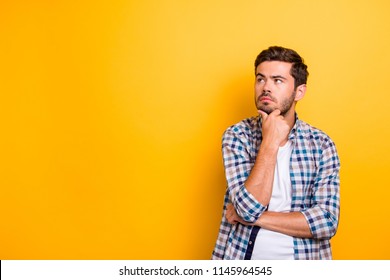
x=284 y=107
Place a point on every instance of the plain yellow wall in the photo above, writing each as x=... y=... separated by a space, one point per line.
x=112 y=114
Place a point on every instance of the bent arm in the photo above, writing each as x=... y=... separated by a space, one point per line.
x=238 y=163
x=261 y=177
x=320 y=221
x=289 y=223
x=275 y=129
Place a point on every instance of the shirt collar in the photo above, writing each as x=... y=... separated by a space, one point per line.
x=295 y=129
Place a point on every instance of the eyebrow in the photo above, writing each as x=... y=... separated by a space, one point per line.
x=272 y=77
x=278 y=77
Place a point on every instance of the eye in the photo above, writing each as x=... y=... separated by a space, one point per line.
x=260 y=80
x=278 y=81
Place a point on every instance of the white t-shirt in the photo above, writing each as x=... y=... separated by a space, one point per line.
x=271 y=245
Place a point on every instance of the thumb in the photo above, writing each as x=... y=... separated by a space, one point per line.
x=263 y=114
x=276 y=112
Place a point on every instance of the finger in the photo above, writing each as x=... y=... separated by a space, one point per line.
x=228 y=215
x=230 y=219
x=275 y=112
x=263 y=114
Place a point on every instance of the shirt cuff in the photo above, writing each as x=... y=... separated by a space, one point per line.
x=246 y=205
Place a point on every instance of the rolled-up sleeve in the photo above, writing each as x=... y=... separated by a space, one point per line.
x=323 y=216
x=238 y=164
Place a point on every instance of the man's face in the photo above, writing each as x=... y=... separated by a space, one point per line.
x=274 y=87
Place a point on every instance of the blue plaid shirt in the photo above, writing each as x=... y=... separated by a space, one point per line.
x=315 y=181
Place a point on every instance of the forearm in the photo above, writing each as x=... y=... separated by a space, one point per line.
x=239 y=163
x=260 y=180
x=289 y=223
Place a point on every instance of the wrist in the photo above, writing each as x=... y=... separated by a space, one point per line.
x=261 y=219
x=269 y=148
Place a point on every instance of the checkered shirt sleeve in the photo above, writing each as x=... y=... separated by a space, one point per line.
x=238 y=164
x=239 y=154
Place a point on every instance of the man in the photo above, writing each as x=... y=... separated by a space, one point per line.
x=282 y=199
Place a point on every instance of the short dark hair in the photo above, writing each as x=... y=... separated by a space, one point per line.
x=276 y=53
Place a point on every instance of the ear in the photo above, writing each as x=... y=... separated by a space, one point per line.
x=300 y=92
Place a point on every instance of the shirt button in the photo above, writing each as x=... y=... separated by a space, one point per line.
x=250 y=242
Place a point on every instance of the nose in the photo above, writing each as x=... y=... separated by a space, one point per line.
x=266 y=87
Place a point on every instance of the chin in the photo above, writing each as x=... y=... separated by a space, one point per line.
x=266 y=109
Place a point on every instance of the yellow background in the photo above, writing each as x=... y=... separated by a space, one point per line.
x=112 y=114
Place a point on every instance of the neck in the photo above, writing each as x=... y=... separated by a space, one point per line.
x=290 y=118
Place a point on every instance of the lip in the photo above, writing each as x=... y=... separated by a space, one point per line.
x=265 y=99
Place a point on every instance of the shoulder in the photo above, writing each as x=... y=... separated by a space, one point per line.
x=243 y=136
x=248 y=126
x=314 y=135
